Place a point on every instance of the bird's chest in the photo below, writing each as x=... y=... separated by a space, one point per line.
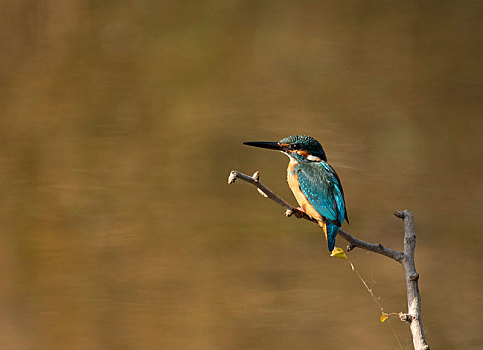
x=293 y=182
x=292 y=177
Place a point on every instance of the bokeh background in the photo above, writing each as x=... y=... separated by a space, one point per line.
x=121 y=120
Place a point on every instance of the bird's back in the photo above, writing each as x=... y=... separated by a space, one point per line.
x=317 y=189
x=294 y=184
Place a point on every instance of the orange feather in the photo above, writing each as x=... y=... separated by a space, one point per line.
x=293 y=183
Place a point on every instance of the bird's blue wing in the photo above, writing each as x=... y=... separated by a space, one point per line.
x=322 y=187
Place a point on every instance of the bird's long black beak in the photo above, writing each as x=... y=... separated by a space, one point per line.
x=269 y=145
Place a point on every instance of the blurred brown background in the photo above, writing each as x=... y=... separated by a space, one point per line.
x=120 y=121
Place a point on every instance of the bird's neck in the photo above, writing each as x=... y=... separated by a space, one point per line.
x=293 y=163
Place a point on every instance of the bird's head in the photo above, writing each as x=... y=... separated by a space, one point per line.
x=298 y=147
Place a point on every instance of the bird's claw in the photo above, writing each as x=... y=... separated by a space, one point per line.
x=298 y=212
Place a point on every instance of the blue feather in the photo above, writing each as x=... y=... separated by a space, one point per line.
x=331 y=233
x=322 y=189
x=320 y=184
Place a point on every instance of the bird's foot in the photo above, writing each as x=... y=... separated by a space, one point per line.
x=298 y=212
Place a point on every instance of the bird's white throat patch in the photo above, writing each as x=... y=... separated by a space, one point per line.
x=304 y=154
x=313 y=158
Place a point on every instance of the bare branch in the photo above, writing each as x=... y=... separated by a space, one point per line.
x=412 y=277
x=354 y=242
x=406 y=258
x=254 y=180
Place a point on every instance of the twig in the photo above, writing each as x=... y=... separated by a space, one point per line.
x=354 y=242
x=406 y=258
x=412 y=277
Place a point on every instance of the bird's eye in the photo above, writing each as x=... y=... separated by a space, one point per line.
x=295 y=146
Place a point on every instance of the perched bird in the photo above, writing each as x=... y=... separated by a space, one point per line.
x=313 y=181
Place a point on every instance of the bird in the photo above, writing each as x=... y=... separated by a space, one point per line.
x=314 y=183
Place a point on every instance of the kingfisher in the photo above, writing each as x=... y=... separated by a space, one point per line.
x=314 y=183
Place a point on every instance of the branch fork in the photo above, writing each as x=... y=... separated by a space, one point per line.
x=406 y=257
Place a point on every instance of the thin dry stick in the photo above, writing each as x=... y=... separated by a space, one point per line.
x=406 y=258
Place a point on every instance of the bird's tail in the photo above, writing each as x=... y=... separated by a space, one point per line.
x=330 y=231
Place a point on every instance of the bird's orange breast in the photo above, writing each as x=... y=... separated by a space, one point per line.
x=293 y=183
